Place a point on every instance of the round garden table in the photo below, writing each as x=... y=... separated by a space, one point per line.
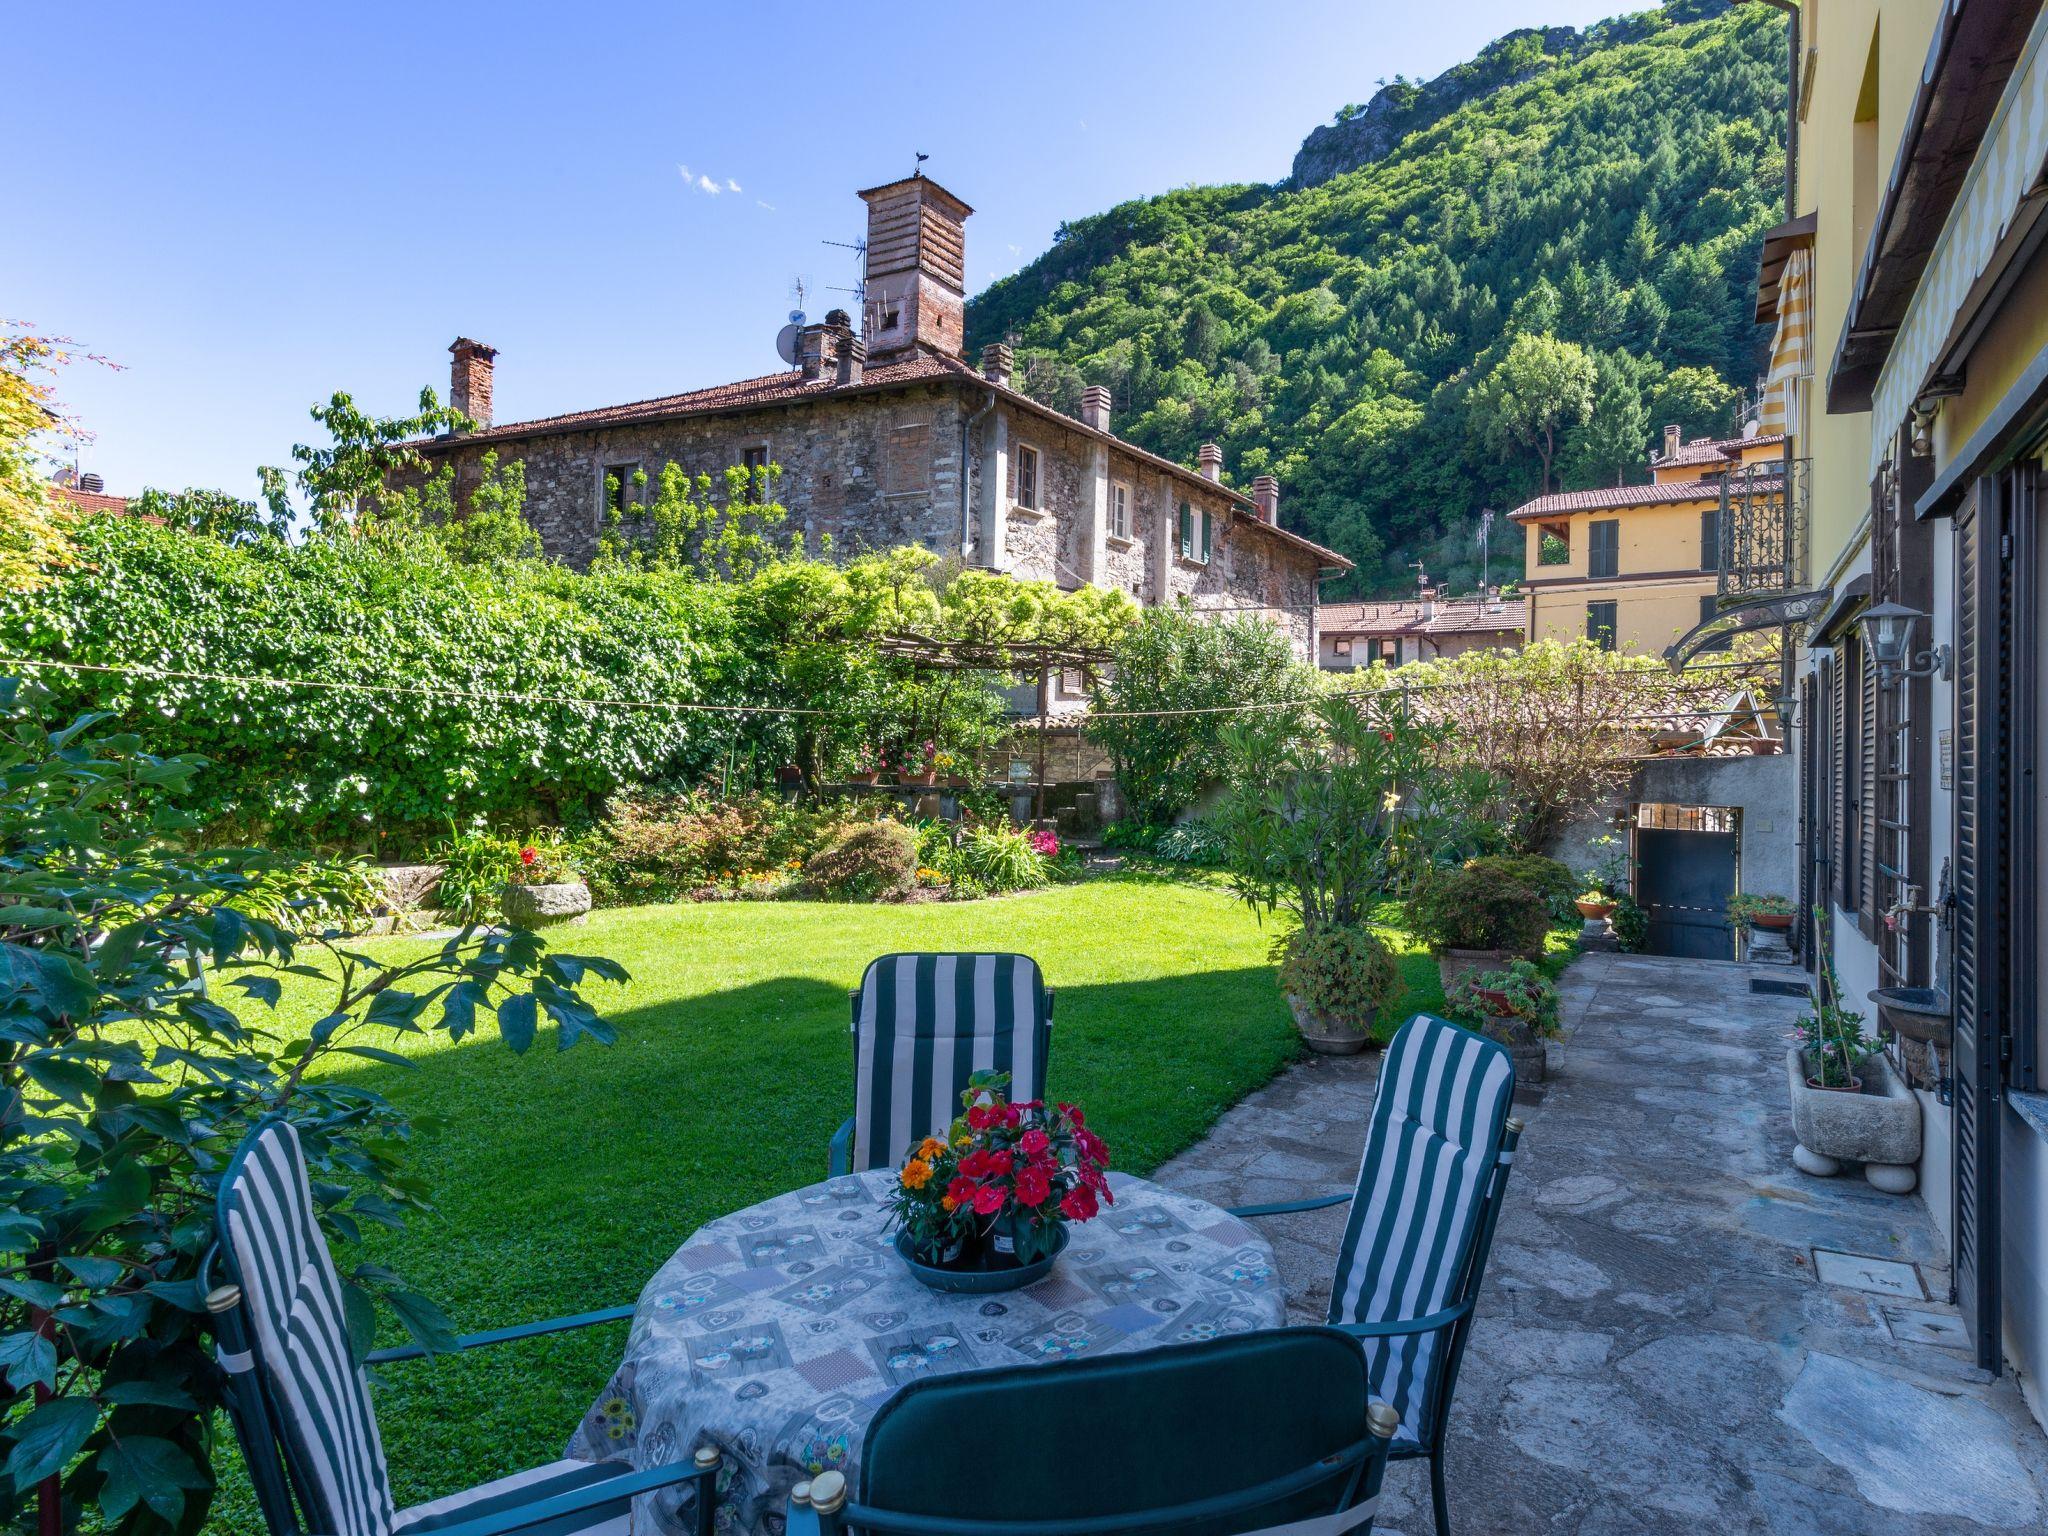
x=776 y=1332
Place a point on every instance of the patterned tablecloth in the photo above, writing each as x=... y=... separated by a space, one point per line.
x=776 y=1332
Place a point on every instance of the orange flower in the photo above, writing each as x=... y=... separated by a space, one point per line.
x=948 y=1204
x=930 y=1148
x=916 y=1173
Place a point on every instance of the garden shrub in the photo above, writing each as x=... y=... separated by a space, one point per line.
x=1552 y=879
x=874 y=862
x=654 y=847
x=1478 y=908
x=1345 y=972
x=1002 y=858
x=316 y=895
x=476 y=866
x=1191 y=842
x=1134 y=836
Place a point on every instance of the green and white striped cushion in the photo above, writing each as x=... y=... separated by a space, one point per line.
x=293 y=1298
x=1437 y=1121
x=922 y=1025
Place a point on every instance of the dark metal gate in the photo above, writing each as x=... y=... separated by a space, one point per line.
x=1685 y=875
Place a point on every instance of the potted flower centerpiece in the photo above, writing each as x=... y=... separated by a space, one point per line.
x=546 y=887
x=1517 y=1006
x=986 y=1206
x=1772 y=913
x=1337 y=979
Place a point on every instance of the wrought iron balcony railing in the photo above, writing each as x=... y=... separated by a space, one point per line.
x=1763 y=531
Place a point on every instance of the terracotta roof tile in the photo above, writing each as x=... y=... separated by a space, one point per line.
x=91 y=501
x=1705 y=450
x=1618 y=496
x=1453 y=616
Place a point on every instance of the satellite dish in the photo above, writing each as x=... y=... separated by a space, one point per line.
x=785 y=344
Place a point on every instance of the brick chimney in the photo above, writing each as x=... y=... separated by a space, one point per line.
x=853 y=354
x=1671 y=436
x=998 y=363
x=817 y=349
x=1095 y=407
x=469 y=379
x=1209 y=460
x=1428 y=603
x=916 y=277
x=1266 y=497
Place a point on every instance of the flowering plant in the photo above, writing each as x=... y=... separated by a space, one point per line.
x=1010 y=1174
x=1045 y=843
x=545 y=861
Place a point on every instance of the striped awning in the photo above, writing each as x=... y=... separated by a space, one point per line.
x=1792 y=346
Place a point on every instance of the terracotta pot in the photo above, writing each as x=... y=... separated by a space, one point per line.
x=1495 y=999
x=956 y=781
x=1777 y=922
x=1595 y=907
x=1854 y=1085
x=926 y=778
x=862 y=778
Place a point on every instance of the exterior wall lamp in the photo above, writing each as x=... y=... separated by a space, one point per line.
x=1888 y=631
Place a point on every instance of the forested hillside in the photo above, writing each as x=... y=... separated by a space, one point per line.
x=1554 y=257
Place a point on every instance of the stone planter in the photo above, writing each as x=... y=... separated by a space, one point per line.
x=544 y=906
x=1325 y=1035
x=1770 y=940
x=1524 y=1043
x=1878 y=1127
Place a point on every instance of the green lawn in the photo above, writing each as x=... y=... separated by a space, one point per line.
x=565 y=1180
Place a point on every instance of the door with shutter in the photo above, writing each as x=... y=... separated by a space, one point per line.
x=1979 y=876
x=1810 y=822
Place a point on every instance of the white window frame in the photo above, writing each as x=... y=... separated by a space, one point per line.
x=1037 y=501
x=1119 y=510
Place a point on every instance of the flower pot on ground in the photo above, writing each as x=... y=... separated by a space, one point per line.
x=545 y=889
x=1338 y=980
x=1876 y=1125
x=1476 y=917
x=1517 y=1006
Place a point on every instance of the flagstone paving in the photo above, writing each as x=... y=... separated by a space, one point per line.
x=1656 y=1350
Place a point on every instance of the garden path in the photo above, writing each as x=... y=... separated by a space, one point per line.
x=1655 y=1351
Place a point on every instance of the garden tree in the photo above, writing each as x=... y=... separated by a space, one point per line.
x=1653 y=136
x=685 y=527
x=211 y=514
x=1538 y=389
x=124 y=1090
x=1170 y=662
x=1559 y=725
x=34 y=526
x=345 y=480
x=487 y=526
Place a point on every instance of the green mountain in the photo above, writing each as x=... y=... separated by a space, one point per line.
x=1345 y=329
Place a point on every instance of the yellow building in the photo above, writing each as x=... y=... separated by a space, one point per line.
x=1635 y=566
x=1909 y=290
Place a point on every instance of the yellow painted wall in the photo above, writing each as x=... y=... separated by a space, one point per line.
x=1649 y=614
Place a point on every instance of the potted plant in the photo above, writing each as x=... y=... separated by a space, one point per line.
x=1595 y=904
x=866 y=769
x=1772 y=913
x=1475 y=919
x=546 y=887
x=1848 y=1106
x=951 y=766
x=987 y=1206
x=924 y=769
x=1337 y=980
x=1517 y=1006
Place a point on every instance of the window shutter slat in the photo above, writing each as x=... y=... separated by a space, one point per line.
x=1838 y=785
x=1866 y=786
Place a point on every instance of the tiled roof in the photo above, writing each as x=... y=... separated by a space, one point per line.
x=91 y=501
x=1453 y=616
x=775 y=389
x=1618 y=496
x=1706 y=450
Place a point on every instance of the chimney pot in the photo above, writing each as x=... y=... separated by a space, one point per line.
x=469 y=379
x=1209 y=460
x=853 y=354
x=817 y=349
x=1266 y=496
x=1095 y=407
x=998 y=362
x=1671 y=434
x=90 y=481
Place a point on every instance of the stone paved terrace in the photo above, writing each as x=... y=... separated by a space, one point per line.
x=1654 y=1350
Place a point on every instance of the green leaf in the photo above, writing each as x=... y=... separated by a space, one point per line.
x=72 y=1081
x=427 y=1324
x=36 y=917
x=458 y=1008
x=49 y=1437
x=264 y=989
x=37 y=1293
x=377 y=1053
x=359 y=1314
x=93 y=1271
x=114 y=1198
x=28 y=1358
x=142 y=1393
x=148 y=1470
x=518 y=1016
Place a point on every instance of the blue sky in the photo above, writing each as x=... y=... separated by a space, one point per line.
x=252 y=205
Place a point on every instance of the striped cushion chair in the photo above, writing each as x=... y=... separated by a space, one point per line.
x=301 y=1403
x=1430 y=1185
x=923 y=1025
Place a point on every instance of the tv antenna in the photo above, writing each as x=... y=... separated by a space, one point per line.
x=859 y=289
x=785 y=339
x=1485 y=548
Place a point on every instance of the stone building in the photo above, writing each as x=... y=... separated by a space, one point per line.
x=890 y=437
x=1425 y=627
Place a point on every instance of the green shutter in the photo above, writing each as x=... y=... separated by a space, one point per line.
x=1206 y=523
x=1187 y=532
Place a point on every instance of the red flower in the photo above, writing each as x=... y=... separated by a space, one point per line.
x=1092 y=1148
x=1073 y=1113
x=1033 y=1142
x=981 y=1117
x=1033 y=1187
x=1000 y=1163
x=1079 y=1204
x=989 y=1199
x=961 y=1191
x=975 y=1165
x=1386 y=735
x=1011 y=1115
x=529 y=856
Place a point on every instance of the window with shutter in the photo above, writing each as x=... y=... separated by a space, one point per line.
x=1208 y=521
x=1601 y=619
x=1603 y=549
x=1710 y=539
x=1866 y=792
x=1187 y=532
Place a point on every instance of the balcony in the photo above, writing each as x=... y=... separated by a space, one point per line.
x=1763 y=531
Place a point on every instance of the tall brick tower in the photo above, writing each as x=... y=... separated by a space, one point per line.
x=916 y=270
